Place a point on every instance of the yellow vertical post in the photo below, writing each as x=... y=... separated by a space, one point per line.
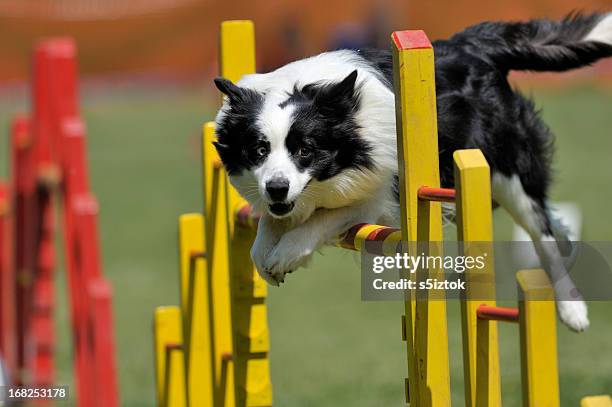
x=249 y=314
x=237 y=49
x=174 y=379
x=475 y=234
x=538 y=331
x=209 y=155
x=417 y=145
x=195 y=304
x=169 y=372
x=218 y=260
x=251 y=338
x=596 y=401
x=237 y=58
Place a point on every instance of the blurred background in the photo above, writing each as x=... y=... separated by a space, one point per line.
x=145 y=69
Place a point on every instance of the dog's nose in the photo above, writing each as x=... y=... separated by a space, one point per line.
x=277 y=189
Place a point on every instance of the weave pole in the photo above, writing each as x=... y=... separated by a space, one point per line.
x=249 y=291
x=475 y=234
x=8 y=320
x=195 y=311
x=168 y=338
x=596 y=401
x=538 y=333
x=425 y=327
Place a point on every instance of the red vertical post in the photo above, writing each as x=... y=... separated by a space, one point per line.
x=75 y=185
x=24 y=222
x=40 y=333
x=83 y=209
x=41 y=106
x=107 y=393
x=8 y=322
x=54 y=96
x=74 y=158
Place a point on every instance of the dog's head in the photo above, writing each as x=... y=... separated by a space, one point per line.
x=275 y=145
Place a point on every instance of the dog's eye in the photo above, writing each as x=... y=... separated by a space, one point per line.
x=261 y=151
x=305 y=152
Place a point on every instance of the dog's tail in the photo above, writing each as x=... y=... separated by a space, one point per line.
x=543 y=45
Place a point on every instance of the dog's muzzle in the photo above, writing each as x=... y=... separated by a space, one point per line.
x=281 y=208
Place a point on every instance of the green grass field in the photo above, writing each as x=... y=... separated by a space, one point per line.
x=328 y=347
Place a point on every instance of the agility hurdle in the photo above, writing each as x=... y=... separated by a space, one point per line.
x=212 y=350
x=48 y=164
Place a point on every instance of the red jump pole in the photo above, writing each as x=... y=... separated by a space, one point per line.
x=75 y=186
x=41 y=330
x=436 y=194
x=24 y=223
x=498 y=313
x=95 y=328
x=53 y=97
x=54 y=94
x=8 y=323
x=90 y=295
x=100 y=292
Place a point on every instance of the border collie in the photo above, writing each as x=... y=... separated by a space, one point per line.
x=312 y=145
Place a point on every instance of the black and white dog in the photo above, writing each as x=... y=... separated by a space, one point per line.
x=312 y=145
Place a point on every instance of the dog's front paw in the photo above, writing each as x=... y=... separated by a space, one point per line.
x=258 y=256
x=573 y=314
x=290 y=252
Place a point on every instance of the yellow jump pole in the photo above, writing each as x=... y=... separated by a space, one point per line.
x=218 y=258
x=168 y=357
x=174 y=381
x=475 y=226
x=251 y=337
x=237 y=58
x=249 y=314
x=538 y=331
x=209 y=157
x=425 y=327
x=596 y=401
x=196 y=311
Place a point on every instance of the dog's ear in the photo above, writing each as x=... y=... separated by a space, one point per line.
x=221 y=148
x=228 y=88
x=338 y=96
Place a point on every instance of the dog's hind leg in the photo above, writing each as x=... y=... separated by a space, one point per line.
x=561 y=232
x=534 y=217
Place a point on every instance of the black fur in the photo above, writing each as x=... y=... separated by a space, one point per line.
x=536 y=45
x=238 y=137
x=477 y=108
x=381 y=61
x=324 y=124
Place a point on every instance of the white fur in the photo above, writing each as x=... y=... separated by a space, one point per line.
x=509 y=193
x=274 y=122
x=602 y=32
